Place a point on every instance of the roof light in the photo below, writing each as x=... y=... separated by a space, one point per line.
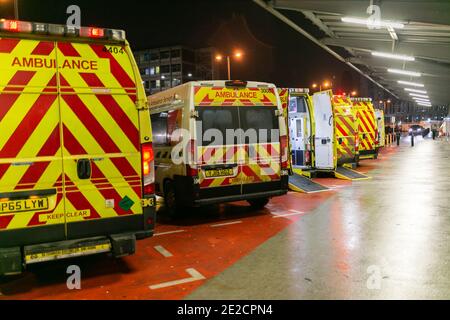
x=405 y=72
x=299 y=90
x=16 y=26
x=372 y=23
x=414 y=84
x=416 y=91
x=92 y=32
x=393 y=56
x=419 y=95
x=61 y=30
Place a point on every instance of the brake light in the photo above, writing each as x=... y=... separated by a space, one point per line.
x=377 y=137
x=148 y=172
x=357 y=144
x=191 y=166
x=284 y=152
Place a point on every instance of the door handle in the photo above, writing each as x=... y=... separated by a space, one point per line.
x=84 y=169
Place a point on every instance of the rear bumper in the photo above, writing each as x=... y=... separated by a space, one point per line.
x=368 y=154
x=269 y=194
x=189 y=194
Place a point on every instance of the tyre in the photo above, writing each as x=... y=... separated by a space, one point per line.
x=258 y=203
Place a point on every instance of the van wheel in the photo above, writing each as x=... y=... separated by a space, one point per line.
x=170 y=200
x=259 y=203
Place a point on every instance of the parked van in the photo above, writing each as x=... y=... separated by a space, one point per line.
x=368 y=128
x=76 y=158
x=233 y=144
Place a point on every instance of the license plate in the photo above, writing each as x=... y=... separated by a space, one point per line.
x=218 y=173
x=27 y=205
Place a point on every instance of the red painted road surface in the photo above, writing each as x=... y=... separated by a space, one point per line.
x=209 y=241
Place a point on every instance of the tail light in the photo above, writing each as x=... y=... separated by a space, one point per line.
x=284 y=152
x=357 y=144
x=148 y=171
x=377 y=137
x=191 y=166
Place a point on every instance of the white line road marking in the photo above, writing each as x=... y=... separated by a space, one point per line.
x=163 y=251
x=225 y=224
x=292 y=214
x=195 y=276
x=167 y=233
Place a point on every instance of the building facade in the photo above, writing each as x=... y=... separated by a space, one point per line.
x=168 y=67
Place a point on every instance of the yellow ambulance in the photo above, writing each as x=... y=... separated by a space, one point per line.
x=76 y=156
x=381 y=124
x=217 y=142
x=368 y=128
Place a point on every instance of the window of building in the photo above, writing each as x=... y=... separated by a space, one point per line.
x=158 y=83
x=146 y=57
x=176 y=53
x=165 y=55
x=166 y=84
x=154 y=56
x=176 y=68
x=176 y=82
x=153 y=84
x=165 y=69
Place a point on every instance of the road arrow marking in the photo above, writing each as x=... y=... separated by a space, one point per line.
x=195 y=276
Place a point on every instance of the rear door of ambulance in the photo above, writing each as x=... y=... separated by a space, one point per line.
x=261 y=168
x=346 y=130
x=366 y=128
x=101 y=142
x=31 y=169
x=218 y=159
x=324 y=135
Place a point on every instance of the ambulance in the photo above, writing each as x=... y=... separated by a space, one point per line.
x=336 y=136
x=381 y=125
x=298 y=110
x=218 y=142
x=76 y=155
x=337 y=131
x=368 y=128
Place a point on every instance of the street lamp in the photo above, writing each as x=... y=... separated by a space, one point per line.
x=236 y=55
x=354 y=93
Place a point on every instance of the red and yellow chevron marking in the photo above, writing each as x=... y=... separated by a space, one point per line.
x=95 y=118
x=346 y=128
x=254 y=164
x=229 y=97
x=367 y=125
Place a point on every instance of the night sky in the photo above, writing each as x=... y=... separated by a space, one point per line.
x=273 y=51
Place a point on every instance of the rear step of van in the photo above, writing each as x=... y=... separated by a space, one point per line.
x=302 y=184
x=347 y=174
x=118 y=245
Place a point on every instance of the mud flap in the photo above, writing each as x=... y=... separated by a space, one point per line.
x=123 y=245
x=10 y=261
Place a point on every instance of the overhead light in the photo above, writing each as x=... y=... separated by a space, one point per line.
x=405 y=72
x=419 y=95
x=393 y=56
x=425 y=104
x=416 y=91
x=414 y=84
x=370 y=22
x=421 y=99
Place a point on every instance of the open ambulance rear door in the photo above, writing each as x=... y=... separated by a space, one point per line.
x=324 y=132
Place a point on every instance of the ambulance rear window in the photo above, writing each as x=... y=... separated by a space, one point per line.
x=261 y=119
x=218 y=118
